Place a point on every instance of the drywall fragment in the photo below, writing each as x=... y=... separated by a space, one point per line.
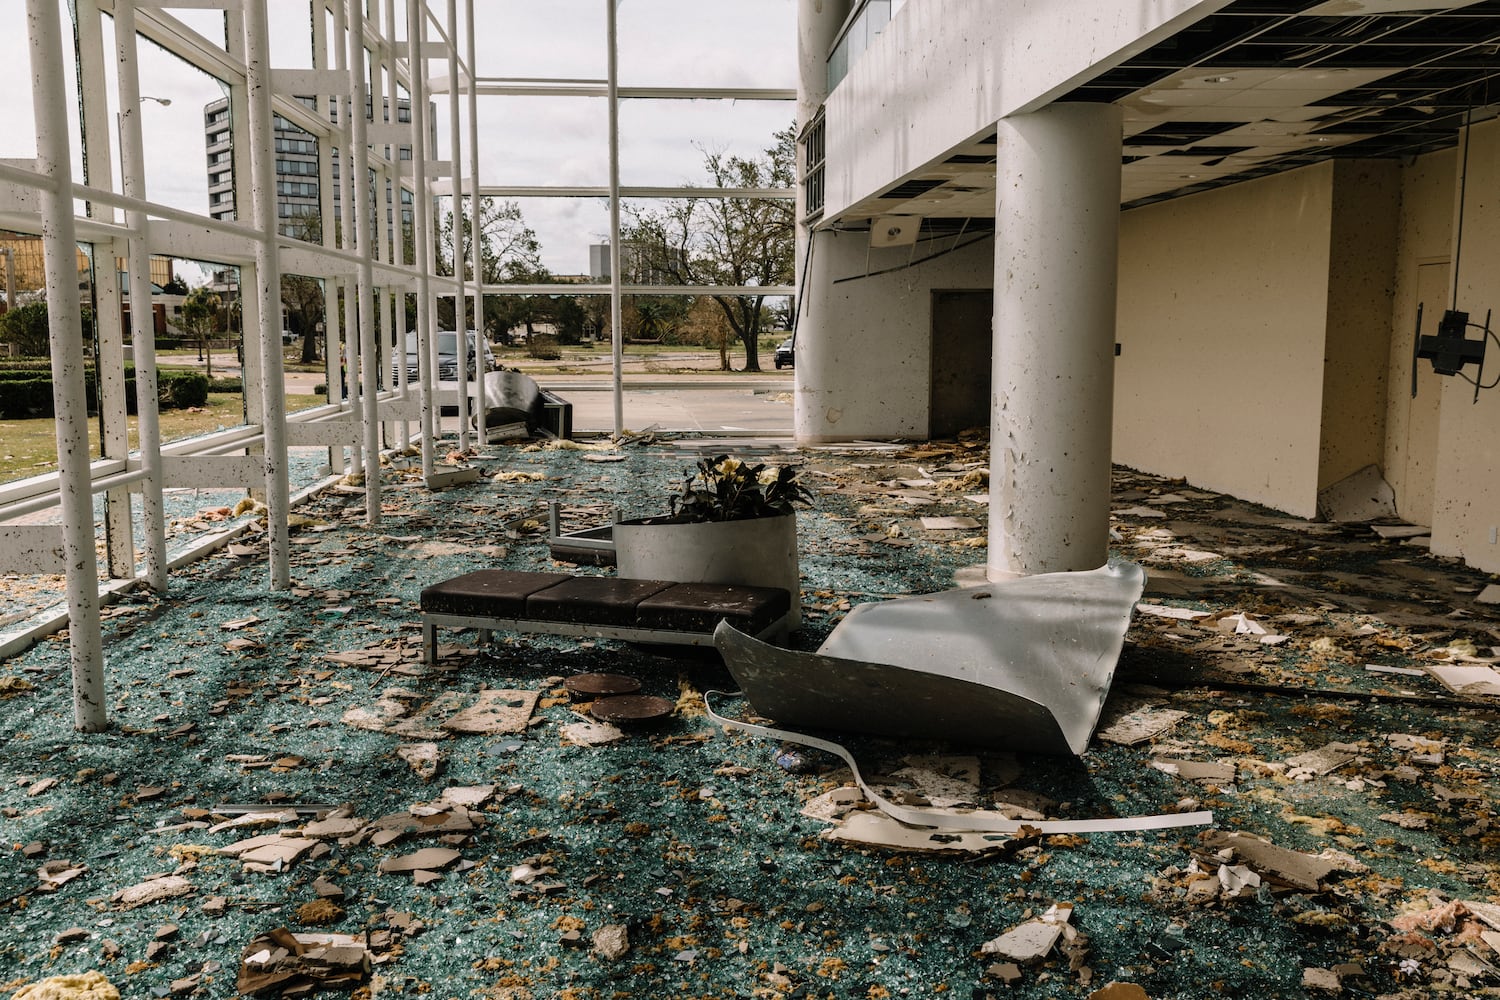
x=151 y=891
x=1489 y=595
x=949 y=523
x=1399 y=531
x=270 y=853
x=1128 y=721
x=1120 y=991
x=1008 y=973
x=428 y=858
x=944 y=782
x=1324 y=760
x=56 y=874
x=1241 y=624
x=1209 y=772
x=1321 y=979
x=1378 y=668
x=1278 y=864
x=611 y=942
x=1033 y=940
x=1140 y=512
x=1467 y=680
x=269 y=818
x=301 y=964
x=1363 y=496
x=833 y=804
x=1238 y=882
x=1166 y=611
x=495 y=710
x=876 y=829
x=468 y=796
x=422 y=758
x=1407 y=820
x=591 y=734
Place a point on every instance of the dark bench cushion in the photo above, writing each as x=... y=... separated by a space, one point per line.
x=495 y=593
x=592 y=600
x=699 y=607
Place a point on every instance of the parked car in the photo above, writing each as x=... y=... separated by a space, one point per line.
x=447 y=351
x=785 y=356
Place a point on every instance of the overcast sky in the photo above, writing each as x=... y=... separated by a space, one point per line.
x=523 y=141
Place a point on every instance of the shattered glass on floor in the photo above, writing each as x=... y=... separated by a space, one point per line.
x=289 y=802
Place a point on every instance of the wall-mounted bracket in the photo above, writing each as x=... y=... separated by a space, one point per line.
x=1450 y=349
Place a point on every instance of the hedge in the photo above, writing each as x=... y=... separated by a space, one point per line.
x=26 y=393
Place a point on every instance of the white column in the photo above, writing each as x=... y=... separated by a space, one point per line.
x=109 y=361
x=616 y=333
x=142 y=318
x=818 y=23
x=364 y=237
x=455 y=175
x=476 y=248
x=59 y=245
x=268 y=286
x=416 y=29
x=1057 y=211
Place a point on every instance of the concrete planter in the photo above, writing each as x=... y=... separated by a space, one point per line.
x=759 y=552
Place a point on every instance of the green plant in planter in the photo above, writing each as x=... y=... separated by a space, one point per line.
x=723 y=488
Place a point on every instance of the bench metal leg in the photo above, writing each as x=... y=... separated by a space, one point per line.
x=484 y=637
x=429 y=643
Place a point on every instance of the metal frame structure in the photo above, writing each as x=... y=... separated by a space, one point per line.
x=360 y=61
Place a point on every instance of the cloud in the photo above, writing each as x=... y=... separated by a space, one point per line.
x=523 y=141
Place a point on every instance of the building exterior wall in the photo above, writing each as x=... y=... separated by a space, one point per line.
x=1422 y=276
x=864 y=346
x=896 y=111
x=1466 y=509
x=1223 y=301
x=1361 y=282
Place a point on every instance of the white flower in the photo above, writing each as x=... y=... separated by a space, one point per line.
x=728 y=467
x=768 y=476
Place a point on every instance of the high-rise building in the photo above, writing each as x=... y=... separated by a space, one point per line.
x=297 y=155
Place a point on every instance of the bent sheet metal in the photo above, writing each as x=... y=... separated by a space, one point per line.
x=1020 y=664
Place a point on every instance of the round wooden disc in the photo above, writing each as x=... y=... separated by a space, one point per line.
x=595 y=685
x=631 y=708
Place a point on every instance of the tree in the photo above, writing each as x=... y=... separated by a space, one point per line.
x=725 y=241
x=176 y=286
x=26 y=328
x=302 y=296
x=509 y=252
x=198 y=312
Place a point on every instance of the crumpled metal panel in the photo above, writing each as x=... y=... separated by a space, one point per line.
x=1021 y=664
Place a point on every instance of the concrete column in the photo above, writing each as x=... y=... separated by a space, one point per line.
x=416 y=31
x=1057 y=211
x=476 y=249
x=143 y=322
x=110 y=359
x=455 y=175
x=268 y=286
x=818 y=23
x=359 y=166
x=59 y=246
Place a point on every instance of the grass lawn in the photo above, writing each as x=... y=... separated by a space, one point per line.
x=29 y=447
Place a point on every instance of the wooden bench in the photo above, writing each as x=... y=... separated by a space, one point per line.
x=647 y=611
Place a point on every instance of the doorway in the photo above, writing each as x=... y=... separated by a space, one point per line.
x=962 y=349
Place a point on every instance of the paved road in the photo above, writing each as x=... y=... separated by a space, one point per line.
x=713 y=402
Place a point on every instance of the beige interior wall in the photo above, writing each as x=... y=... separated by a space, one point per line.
x=1222 y=306
x=1422 y=276
x=1361 y=279
x=1466 y=509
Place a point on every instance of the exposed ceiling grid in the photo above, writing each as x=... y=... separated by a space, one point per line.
x=1260 y=87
